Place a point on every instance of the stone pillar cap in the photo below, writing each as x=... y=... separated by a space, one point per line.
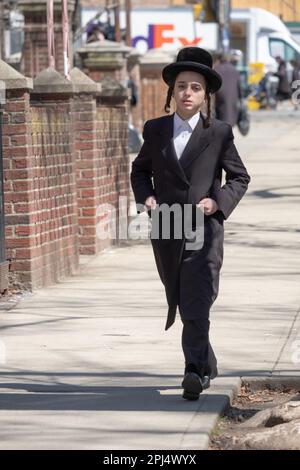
x=82 y=83
x=104 y=46
x=13 y=79
x=111 y=87
x=51 y=81
x=134 y=56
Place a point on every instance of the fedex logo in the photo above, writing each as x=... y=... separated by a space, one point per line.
x=156 y=38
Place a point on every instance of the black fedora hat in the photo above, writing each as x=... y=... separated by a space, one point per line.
x=195 y=59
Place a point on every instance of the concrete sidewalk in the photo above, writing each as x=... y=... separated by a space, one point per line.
x=88 y=364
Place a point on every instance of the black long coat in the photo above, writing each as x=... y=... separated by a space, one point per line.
x=198 y=174
x=227 y=98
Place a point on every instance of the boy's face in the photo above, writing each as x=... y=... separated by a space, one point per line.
x=189 y=93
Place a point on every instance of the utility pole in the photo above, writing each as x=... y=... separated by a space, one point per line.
x=50 y=33
x=128 y=24
x=66 y=33
x=224 y=7
x=117 y=22
x=2 y=32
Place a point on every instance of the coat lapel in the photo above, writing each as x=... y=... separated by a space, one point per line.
x=198 y=142
x=168 y=149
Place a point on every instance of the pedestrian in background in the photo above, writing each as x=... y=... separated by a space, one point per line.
x=228 y=98
x=95 y=33
x=284 y=87
x=181 y=162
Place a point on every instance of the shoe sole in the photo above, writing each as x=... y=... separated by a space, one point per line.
x=192 y=384
x=190 y=396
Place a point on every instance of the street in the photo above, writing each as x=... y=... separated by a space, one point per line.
x=86 y=363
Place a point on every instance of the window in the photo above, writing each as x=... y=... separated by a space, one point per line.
x=278 y=47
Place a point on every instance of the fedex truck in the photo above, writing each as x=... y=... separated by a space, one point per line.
x=259 y=34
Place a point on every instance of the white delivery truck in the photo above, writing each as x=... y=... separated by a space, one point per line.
x=261 y=36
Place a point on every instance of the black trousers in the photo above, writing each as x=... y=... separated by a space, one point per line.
x=197 y=349
x=198 y=289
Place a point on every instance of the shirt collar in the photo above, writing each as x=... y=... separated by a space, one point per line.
x=192 y=122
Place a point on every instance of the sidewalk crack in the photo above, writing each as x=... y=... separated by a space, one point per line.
x=285 y=342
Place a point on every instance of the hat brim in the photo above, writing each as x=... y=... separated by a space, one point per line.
x=170 y=72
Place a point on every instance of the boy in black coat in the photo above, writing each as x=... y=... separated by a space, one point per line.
x=180 y=164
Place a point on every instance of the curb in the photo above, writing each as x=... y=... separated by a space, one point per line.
x=255 y=383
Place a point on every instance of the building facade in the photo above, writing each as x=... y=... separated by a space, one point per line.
x=286 y=10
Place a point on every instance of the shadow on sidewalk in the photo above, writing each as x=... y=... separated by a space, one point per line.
x=60 y=396
x=100 y=398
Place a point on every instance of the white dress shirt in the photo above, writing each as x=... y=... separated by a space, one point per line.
x=182 y=131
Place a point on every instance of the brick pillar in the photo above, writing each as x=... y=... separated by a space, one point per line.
x=17 y=175
x=153 y=89
x=40 y=180
x=87 y=158
x=103 y=59
x=106 y=62
x=112 y=141
x=101 y=121
x=35 y=49
x=54 y=191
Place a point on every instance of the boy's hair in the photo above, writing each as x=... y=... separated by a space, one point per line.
x=207 y=120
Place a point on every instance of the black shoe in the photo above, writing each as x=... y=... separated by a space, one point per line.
x=192 y=386
x=206 y=382
x=213 y=373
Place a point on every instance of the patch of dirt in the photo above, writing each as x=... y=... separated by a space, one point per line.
x=247 y=404
x=15 y=291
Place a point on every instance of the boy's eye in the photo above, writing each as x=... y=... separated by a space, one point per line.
x=195 y=88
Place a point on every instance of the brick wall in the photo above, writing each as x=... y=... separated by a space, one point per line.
x=17 y=176
x=99 y=75
x=40 y=189
x=65 y=155
x=112 y=168
x=54 y=191
x=84 y=109
x=102 y=166
x=154 y=94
